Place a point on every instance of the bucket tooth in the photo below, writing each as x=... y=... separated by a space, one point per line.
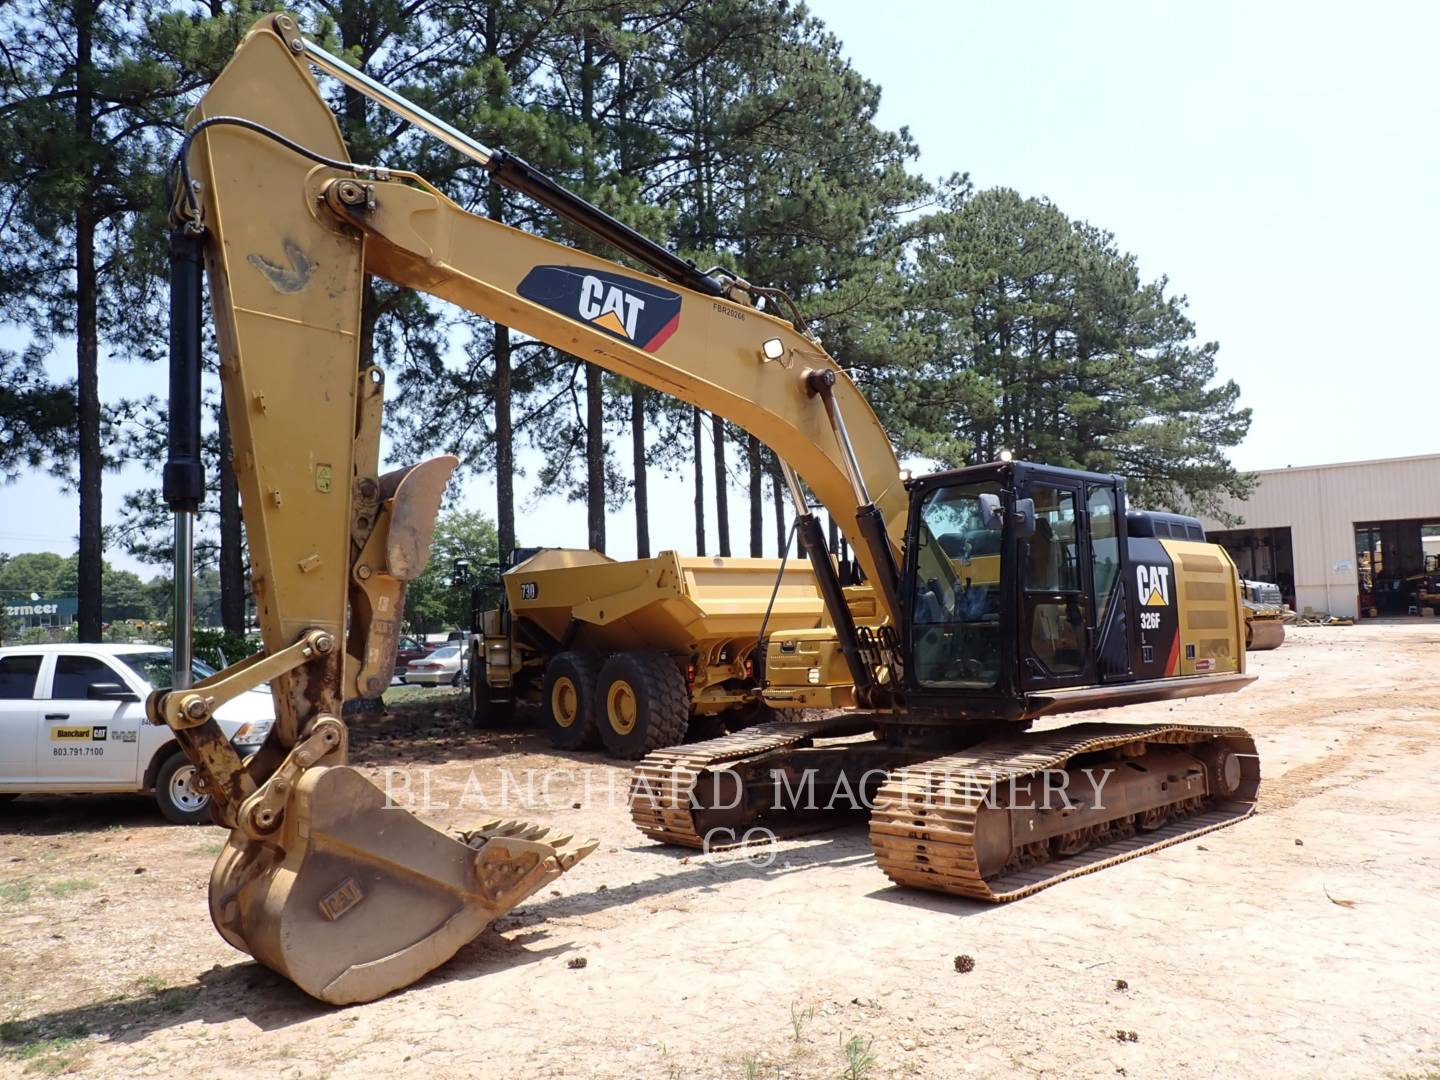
x=566 y=849
x=354 y=897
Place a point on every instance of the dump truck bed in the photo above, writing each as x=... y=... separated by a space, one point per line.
x=671 y=603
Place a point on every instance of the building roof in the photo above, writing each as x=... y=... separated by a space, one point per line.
x=1345 y=464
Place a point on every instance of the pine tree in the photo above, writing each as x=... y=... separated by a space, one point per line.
x=1048 y=344
x=79 y=164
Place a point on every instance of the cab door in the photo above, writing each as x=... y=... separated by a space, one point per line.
x=1110 y=628
x=19 y=717
x=91 y=717
x=1055 y=606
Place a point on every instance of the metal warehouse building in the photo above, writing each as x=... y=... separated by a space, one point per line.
x=1352 y=539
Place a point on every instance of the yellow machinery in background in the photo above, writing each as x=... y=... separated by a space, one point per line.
x=626 y=654
x=1001 y=593
x=1264 y=615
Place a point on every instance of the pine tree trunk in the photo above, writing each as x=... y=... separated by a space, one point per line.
x=777 y=494
x=757 y=523
x=722 y=488
x=87 y=348
x=504 y=423
x=642 y=485
x=595 y=453
x=698 y=438
x=594 y=376
x=232 y=556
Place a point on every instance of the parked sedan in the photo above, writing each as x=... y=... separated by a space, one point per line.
x=72 y=719
x=442 y=667
x=407 y=649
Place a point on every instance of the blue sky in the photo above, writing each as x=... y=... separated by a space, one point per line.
x=1277 y=161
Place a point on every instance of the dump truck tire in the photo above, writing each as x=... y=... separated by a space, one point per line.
x=486 y=711
x=642 y=704
x=568 y=703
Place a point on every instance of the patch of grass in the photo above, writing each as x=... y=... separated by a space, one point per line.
x=49 y=1057
x=151 y=984
x=799 y=1018
x=16 y=892
x=214 y=847
x=858 y=1059
x=23 y=890
x=69 y=886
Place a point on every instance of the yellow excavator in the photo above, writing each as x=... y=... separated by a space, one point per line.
x=1006 y=592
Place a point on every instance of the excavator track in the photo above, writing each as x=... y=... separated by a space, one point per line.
x=926 y=824
x=663 y=782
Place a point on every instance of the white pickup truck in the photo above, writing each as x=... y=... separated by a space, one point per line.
x=72 y=719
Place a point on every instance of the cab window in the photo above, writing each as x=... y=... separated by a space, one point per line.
x=955 y=592
x=17 y=677
x=1052 y=583
x=74 y=676
x=1104 y=548
x=1052 y=563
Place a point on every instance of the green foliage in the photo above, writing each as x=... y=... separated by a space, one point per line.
x=858 y=1059
x=799 y=1018
x=126 y=596
x=439 y=599
x=1042 y=339
x=220 y=648
x=42 y=572
x=37 y=414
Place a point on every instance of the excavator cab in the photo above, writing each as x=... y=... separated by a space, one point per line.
x=1027 y=584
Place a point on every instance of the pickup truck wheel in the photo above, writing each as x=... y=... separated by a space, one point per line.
x=568 y=701
x=176 y=794
x=643 y=704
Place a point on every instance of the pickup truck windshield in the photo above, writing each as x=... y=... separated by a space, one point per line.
x=154 y=667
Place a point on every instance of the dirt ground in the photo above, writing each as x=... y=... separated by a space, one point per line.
x=1300 y=942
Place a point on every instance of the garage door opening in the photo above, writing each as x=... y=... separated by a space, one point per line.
x=1261 y=555
x=1398 y=565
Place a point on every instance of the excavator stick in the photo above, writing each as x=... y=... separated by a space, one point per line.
x=322 y=879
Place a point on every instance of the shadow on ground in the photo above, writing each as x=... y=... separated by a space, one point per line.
x=246 y=991
x=58 y=815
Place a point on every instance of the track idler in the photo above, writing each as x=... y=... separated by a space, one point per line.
x=352 y=897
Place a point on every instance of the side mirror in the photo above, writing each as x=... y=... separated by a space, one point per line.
x=1024 y=518
x=109 y=691
x=992 y=514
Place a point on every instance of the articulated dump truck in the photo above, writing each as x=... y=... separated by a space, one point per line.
x=640 y=654
x=1001 y=593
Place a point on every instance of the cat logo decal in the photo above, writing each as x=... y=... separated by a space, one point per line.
x=639 y=312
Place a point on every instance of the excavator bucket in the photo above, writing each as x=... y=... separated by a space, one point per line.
x=354 y=896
